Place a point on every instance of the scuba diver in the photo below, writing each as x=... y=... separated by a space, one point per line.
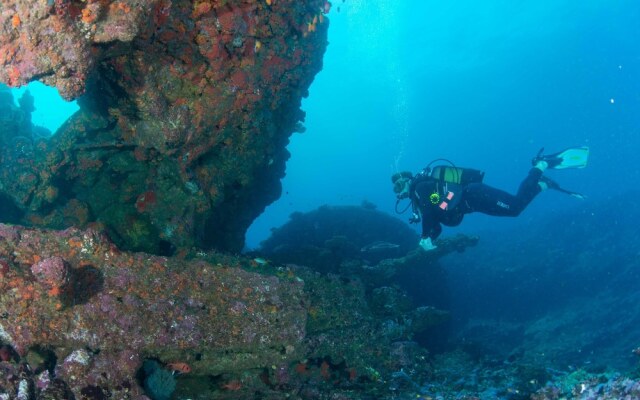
x=442 y=195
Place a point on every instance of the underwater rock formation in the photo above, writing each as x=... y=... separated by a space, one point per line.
x=188 y=107
x=73 y=307
x=362 y=242
x=566 y=297
x=73 y=293
x=327 y=237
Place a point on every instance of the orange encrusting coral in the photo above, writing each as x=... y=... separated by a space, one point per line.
x=14 y=76
x=88 y=16
x=200 y=9
x=16 y=21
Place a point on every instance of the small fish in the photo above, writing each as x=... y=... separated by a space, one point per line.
x=260 y=261
x=179 y=367
x=379 y=246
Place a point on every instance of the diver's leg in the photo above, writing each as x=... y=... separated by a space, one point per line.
x=489 y=200
x=530 y=187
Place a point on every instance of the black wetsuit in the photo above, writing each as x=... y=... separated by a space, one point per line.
x=474 y=197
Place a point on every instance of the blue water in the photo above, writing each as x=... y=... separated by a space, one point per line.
x=484 y=84
x=51 y=111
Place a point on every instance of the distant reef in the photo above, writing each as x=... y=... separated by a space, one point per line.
x=562 y=292
x=186 y=108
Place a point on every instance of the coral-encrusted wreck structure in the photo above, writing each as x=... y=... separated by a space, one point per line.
x=72 y=293
x=186 y=109
x=78 y=318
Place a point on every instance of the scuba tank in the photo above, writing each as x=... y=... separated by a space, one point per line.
x=449 y=181
x=457 y=175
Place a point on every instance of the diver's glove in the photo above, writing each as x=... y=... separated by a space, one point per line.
x=427 y=245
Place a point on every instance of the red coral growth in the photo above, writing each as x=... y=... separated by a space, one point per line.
x=145 y=200
x=212 y=49
x=161 y=12
x=67 y=9
x=239 y=79
x=227 y=20
x=237 y=20
x=325 y=370
x=4 y=267
x=302 y=368
x=272 y=68
x=200 y=9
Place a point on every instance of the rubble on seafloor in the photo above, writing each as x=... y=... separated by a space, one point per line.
x=186 y=108
x=457 y=375
x=79 y=317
